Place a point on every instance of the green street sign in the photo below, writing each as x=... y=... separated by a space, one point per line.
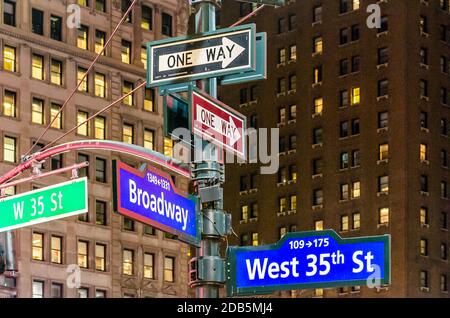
x=276 y=3
x=43 y=205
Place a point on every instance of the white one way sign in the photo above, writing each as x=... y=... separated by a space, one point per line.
x=215 y=54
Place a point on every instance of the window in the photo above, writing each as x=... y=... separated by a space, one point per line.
x=356 y=95
x=423 y=216
x=343 y=131
x=9 y=12
x=423 y=24
x=356 y=158
x=292 y=22
x=100 y=85
x=343 y=67
x=344 y=223
x=253 y=181
x=57 y=161
x=255 y=241
x=82 y=37
x=37 y=67
x=125 y=4
x=383 y=152
x=84 y=172
x=317 y=74
x=83 y=3
x=383 y=184
x=100 y=293
x=282 y=232
x=423 y=152
x=37 y=21
x=9 y=149
x=149 y=230
x=344 y=192
x=443 y=283
x=128 y=224
x=318 y=45
x=82 y=116
x=83 y=258
x=127 y=266
x=38 y=289
x=444 y=251
x=100 y=257
x=293 y=203
x=317 y=14
x=100 y=5
x=424 y=183
x=424 y=120
x=168 y=147
x=292 y=112
x=282 y=204
x=292 y=142
x=126 y=52
x=383 y=120
x=383 y=216
x=56 y=72
x=444 y=190
x=383 y=55
x=281 y=85
x=149 y=99
x=128 y=134
x=343 y=36
x=147 y=18
x=84 y=82
x=100 y=212
x=444 y=127
x=344 y=162
x=317 y=136
x=254 y=88
x=56 y=27
x=318 y=106
x=356 y=190
x=100 y=127
x=423 y=56
x=355 y=32
x=318 y=225
x=243 y=96
x=100 y=170
x=423 y=247
x=149 y=269
x=343 y=98
x=293 y=53
x=254 y=121
x=38 y=247
x=9 y=58
x=9 y=104
x=83 y=292
x=281 y=25
x=356 y=225
x=444 y=221
x=355 y=127
x=55 y=113
x=293 y=173
x=444 y=158
x=444 y=96
x=144 y=56
x=56 y=250
x=244 y=213
x=317 y=166
x=317 y=197
x=100 y=40
x=384 y=25
x=149 y=137
x=127 y=87
x=383 y=88
x=169 y=269
x=282 y=115
x=423 y=88
x=166 y=24
x=57 y=290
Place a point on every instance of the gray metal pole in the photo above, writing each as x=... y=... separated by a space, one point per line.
x=208 y=255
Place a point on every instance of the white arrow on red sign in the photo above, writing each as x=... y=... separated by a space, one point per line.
x=222 y=125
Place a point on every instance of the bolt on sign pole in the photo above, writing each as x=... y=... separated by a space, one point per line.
x=208 y=173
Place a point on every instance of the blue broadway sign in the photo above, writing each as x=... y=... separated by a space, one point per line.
x=151 y=198
x=303 y=260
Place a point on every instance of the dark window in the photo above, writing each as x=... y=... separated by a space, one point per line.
x=292 y=22
x=317 y=166
x=343 y=129
x=100 y=212
x=423 y=56
x=245 y=8
x=9 y=12
x=444 y=96
x=253 y=93
x=423 y=88
x=355 y=127
x=317 y=14
x=344 y=6
x=343 y=67
x=356 y=63
x=292 y=142
x=384 y=24
x=100 y=170
x=100 y=5
x=128 y=224
x=383 y=88
x=254 y=121
x=383 y=120
x=243 y=183
x=356 y=158
x=444 y=190
x=317 y=136
x=243 y=95
x=281 y=25
x=343 y=38
x=253 y=181
x=444 y=221
x=166 y=24
x=444 y=158
x=355 y=32
x=344 y=161
x=83 y=172
x=57 y=290
x=57 y=162
x=383 y=55
x=37 y=21
x=343 y=98
x=56 y=27
x=424 y=120
x=318 y=197
x=423 y=24
x=424 y=279
x=423 y=183
x=444 y=127
x=124 y=6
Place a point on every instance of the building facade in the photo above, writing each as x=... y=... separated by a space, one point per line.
x=44 y=52
x=363 y=115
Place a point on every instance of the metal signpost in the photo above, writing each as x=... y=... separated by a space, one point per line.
x=209 y=54
x=317 y=259
x=214 y=121
x=151 y=198
x=44 y=205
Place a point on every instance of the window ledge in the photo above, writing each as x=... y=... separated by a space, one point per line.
x=316 y=146
x=379 y=226
x=380 y=98
x=317 y=207
x=252 y=102
x=243 y=105
x=425 y=130
x=316 y=23
x=283 y=153
x=317 y=115
x=243 y=192
x=243 y=221
x=380 y=194
x=425 y=226
x=425 y=34
x=425 y=98
x=252 y=190
x=316 y=54
x=384 y=129
x=281 y=94
x=425 y=289
x=279 y=125
x=427 y=194
x=281 y=64
x=281 y=184
x=425 y=66
x=384 y=65
x=317 y=176
x=425 y=162
x=281 y=214
x=343 y=201
x=292 y=121
x=382 y=33
x=292 y=181
x=292 y=212
x=292 y=151
x=384 y=161
x=319 y=84
x=292 y=92
x=292 y=61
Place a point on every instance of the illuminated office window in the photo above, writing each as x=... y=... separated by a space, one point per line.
x=56 y=250
x=144 y=56
x=168 y=147
x=318 y=45
x=149 y=99
x=356 y=225
x=255 y=241
x=293 y=53
x=149 y=269
x=100 y=40
x=84 y=84
x=126 y=51
x=37 y=111
x=38 y=289
x=128 y=262
x=244 y=213
x=100 y=127
x=383 y=152
x=423 y=152
x=318 y=225
x=149 y=138
x=9 y=149
x=100 y=85
x=83 y=37
x=128 y=134
x=147 y=18
x=100 y=257
x=344 y=223
x=169 y=269
x=38 y=246
x=9 y=58
x=356 y=95
x=318 y=106
x=356 y=190
x=83 y=258
x=423 y=216
x=81 y=117
x=9 y=104
x=54 y=112
x=37 y=68
x=293 y=202
x=383 y=216
x=127 y=87
x=56 y=72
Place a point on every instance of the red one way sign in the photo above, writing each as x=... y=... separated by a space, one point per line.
x=214 y=121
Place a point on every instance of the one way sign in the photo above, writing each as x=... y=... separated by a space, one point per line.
x=217 y=53
x=218 y=123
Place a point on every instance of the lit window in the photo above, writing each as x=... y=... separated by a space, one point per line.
x=356 y=96
x=318 y=225
x=100 y=257
x=147 y=17
x=81 y=117
x=144 y=56
x=127 y=262
x=55 y=112
x=168 y=147
x=282 y=203
x=38 y=246
x=317 y=74
x=56 y=72
x=169 y=269
x=37 y=111
x=56 y=250
x=38 y=289
x=127 y=87
x=9 y=149
x=128 y=134
x=356 y=4
x=344 y=223
x=383 y=216
x=100 y=85
x=100 y=127
x=344 y=192
x=244 y=212
x=100 y=40
x=100 y=293
x=423 y=216
x=383 y=184
x=383 y=152
x=356 y=190
x=423 y=152
x=9 y=58
x=424 y=279
x=84 y=84
x=82 y=37
x=423 y=247
x=83 y=254
x=149 y=269
x=318 y=44
x=9 y=104
x=126 y=52
x=37 y=68
x=100 y=5
x=293 y=201
x=9 y=12
x=149 y=99
x=281 y=56
x=293 y=53
x=356 y=221
x=83 y=3
x=255 y=241
x=318 y=106
x=149 y=137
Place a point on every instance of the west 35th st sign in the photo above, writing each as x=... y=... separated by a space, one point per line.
x=217 y=53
